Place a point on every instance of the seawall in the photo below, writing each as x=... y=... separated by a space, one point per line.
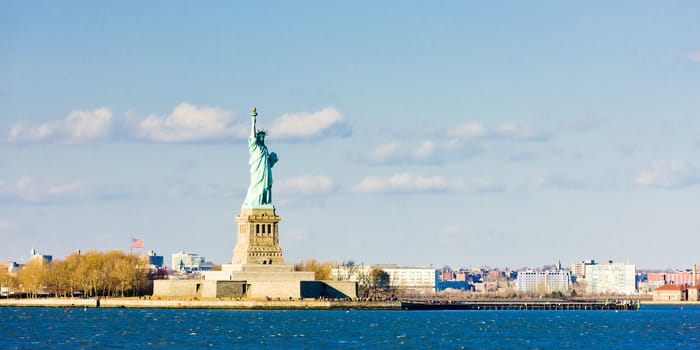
x=201 y=304
x=236 y=304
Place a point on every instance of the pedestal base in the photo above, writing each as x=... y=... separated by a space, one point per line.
x=264 y=281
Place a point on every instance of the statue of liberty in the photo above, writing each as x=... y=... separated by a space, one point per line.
x=261 y=163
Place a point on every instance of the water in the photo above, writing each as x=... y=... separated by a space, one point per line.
x=652 y=327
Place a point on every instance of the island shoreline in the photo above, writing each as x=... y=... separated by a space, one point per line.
x=243 y=304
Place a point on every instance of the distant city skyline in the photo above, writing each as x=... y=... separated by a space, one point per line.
x=458 y=133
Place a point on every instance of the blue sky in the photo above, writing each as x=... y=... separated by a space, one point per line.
x=462 y=133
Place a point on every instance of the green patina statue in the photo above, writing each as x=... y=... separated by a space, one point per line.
x=261 y=163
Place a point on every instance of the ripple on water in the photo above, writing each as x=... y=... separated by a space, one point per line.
x=127 y=328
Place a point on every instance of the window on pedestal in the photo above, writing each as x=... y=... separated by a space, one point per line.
x=263 y=225
x=268 y=228
x=257 y=228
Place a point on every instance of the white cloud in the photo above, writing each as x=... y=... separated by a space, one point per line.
x=505 y=131
x=669 y=174
x=427 y=151
x=28 y=189
x=388 y=152
x=79 y=126
x=408 y=183
x=327 y=122
x=18 y=133
x=188 y=122
x=403 y=183
x=469 y=130
x=305 y=185
x=424 y=150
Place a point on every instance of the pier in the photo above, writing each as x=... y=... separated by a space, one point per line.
x=522 y=305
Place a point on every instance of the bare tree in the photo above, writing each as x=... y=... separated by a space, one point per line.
x=379 y=282
x=7 y=280
x=33 y=276
x=322 y=270
x=57 y=281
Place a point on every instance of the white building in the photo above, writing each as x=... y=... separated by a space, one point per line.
x=415 y=278
x=35 y=255
x=543 y=281
x=610 y=278
x=419 y=279
x=183 y=261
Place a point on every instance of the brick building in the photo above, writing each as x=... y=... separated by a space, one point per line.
x=671 y=292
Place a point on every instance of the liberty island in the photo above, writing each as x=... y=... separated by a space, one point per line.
x=257 y=271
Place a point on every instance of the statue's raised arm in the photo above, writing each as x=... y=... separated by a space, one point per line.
x=260 y=162
x=253 y=121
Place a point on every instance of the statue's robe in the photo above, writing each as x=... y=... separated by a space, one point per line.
x=260 y=188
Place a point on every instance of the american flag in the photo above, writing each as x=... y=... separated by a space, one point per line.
x=136 y=243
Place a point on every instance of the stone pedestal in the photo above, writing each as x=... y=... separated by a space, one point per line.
x=257 y=259
x=258 y=268
x=258 y=238
x=264 y=281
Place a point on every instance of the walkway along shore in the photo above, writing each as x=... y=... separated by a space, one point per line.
x=202 y=304
x=236 y=304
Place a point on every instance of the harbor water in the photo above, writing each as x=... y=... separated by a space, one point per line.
x=651 y=327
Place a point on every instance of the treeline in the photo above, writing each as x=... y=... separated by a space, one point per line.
x=111 y=273
x=321 y=270
x=372 y=283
